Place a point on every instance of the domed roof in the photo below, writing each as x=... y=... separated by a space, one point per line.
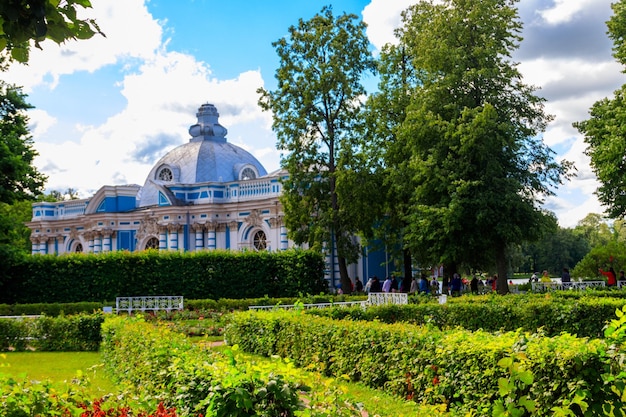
x=207 y=157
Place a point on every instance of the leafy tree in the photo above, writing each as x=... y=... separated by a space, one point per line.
x=14 y=235
x=24 y=20
x=386 y=151
x=605 y=130
x=315 y=109
x=613 y=254
x=554 y=251
x=19 y=180
x=595 y=230
x=481 y=168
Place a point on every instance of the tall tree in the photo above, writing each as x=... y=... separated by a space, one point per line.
x=24 y=20
x=605 y=130
x=315 y=109
x=19 y=179
x=385 y=111
x=481 y=168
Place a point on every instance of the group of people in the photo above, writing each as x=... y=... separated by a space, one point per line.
x=449 y=286
x=611 y=277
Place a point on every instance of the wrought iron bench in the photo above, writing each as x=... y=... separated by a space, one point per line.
x=149 y=303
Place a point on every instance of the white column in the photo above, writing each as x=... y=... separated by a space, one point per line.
x=90 y=241
x=211 y=236
x=97 y=243
x=220 y=236
x=234 y=242
x=34 y=244
x=199 y=229
x=162 y=238
x=173 y=236
x=43 y=245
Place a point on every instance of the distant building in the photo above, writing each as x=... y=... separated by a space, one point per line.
x=203 y=195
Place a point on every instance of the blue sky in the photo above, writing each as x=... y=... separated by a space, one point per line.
x=107 y=109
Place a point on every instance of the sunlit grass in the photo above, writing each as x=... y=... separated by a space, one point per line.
x=58 y=367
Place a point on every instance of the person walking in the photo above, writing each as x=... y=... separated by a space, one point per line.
x=387 y=285
x=611 y=278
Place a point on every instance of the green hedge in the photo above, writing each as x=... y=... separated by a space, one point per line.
x=79 y=332
x=470 y=372
x=155 y=362
x=194 y=275
x=199 y=306
x=583 y=316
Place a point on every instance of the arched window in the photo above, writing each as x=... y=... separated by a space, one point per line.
x=247 y=174
x=260 y=240
x=152 y=243
x=165 y=174
x=78 y=248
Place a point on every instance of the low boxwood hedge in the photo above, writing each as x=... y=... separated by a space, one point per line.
x=80 y=332
x=582 y=316
x=468 y=371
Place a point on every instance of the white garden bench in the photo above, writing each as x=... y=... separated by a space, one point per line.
x=382 y=298
x=575 y=285
x=149 y=303
x=373 y=299
x=308 y=306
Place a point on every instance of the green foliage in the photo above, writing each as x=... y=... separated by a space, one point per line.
x=19 y=179
x=51 y=310
x=456 y=367
x=22 y=21
x=315 y=110
x=25 y=398
x=604 y=130
x=195 y=275
x=480 y=168
x=558 y=248
x=613 y=254
x=553 y=313
x=64 y=333
x=157 y=363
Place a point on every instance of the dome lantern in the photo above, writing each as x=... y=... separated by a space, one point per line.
x=207 y=127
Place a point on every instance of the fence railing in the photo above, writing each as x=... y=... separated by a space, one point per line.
x=580 y=285
x=148 y=303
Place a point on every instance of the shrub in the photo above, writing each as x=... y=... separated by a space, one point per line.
x=459 y=368
x=584 y=316
x=194 y=275
x=159 y=363
x=79 y=332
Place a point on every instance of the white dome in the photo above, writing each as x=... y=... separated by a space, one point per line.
x=207 y=157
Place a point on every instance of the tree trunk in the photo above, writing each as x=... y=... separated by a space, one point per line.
x=408 y=264
x=502 y=285
x=346 y=283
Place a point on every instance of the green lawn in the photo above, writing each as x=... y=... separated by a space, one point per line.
x=58 y=367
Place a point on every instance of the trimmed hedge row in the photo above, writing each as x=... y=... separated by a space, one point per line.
x=471 y=372
x=582 y=316
x=64 y=334
x=157 y=363
x=221 y=305
x=194 y=275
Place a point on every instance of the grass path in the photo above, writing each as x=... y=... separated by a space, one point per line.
x=58 y=367
x=63 y=366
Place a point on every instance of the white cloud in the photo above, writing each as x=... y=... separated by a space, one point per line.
x=162 y=89
x=382 y=18
x=40 y=122
x=130 y=31
x=565 y=10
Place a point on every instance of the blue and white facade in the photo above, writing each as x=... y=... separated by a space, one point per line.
x=206 y=194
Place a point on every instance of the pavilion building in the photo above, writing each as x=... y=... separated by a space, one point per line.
x=206 y=194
